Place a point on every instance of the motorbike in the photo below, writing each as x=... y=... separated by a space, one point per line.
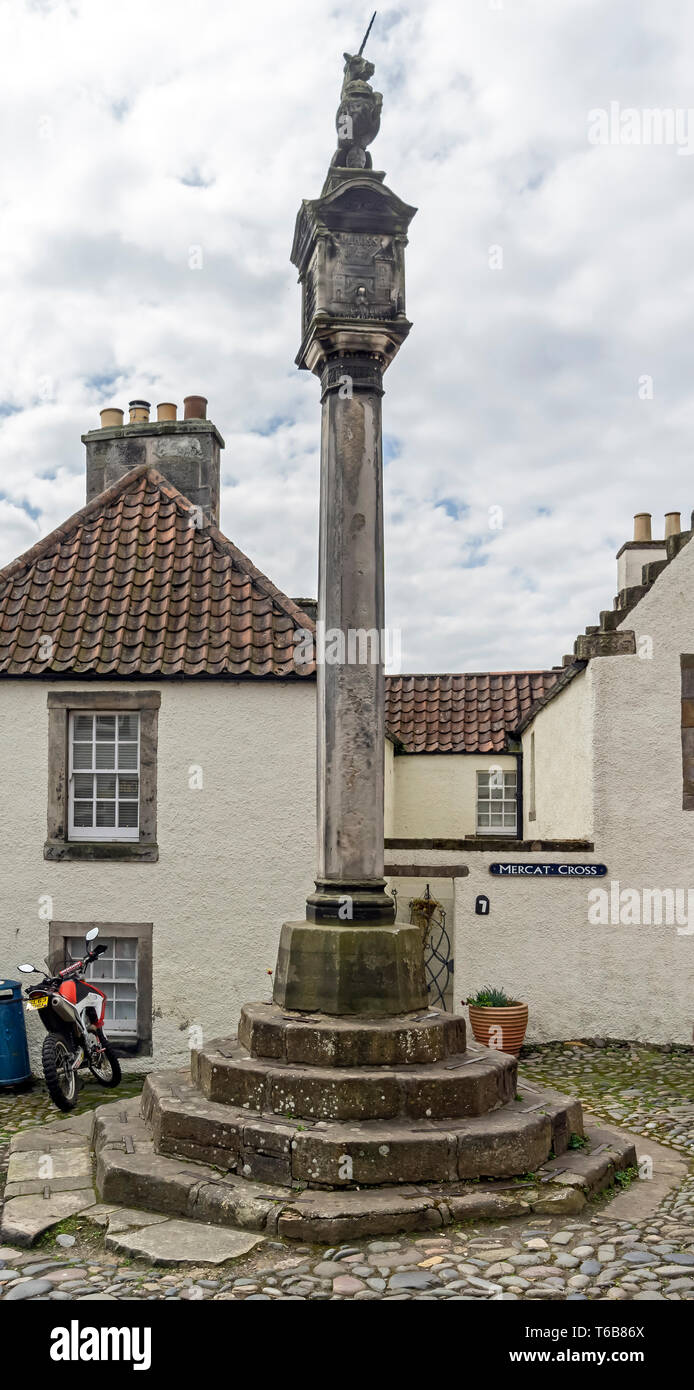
x=72 y=1012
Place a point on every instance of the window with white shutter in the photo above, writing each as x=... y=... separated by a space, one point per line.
x=104 y=775
x=496 y=802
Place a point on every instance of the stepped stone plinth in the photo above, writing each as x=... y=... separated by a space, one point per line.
x=325 y=1128
x=310 y=1101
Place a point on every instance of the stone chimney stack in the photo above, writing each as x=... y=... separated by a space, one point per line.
x=186 y=452
x=639 y=552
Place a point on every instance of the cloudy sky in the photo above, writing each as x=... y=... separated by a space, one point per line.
x=550 y=370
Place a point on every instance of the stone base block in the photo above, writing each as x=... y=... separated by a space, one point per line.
x=318 y=1040
x=471 y=1084
x=506 y=1143
x=363 y=968
x=513 y=1140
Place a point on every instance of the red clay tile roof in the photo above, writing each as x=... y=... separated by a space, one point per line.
x=469 y=713
x=129 y=587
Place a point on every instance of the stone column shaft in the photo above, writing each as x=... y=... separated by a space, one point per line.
x=351 y=686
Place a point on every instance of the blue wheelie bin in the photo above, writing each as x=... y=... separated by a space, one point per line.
x=15 y=1069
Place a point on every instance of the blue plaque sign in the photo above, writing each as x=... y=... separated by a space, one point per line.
x=530 y=870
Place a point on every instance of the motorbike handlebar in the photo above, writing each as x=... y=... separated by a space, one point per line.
x=78 y=965
x=75 y=968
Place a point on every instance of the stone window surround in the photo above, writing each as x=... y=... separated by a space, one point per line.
x=140 y=1044
x=687 y=730
x=60 y=705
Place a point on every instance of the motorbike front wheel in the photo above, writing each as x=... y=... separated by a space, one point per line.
x=105 y=1066
x=61 y=1077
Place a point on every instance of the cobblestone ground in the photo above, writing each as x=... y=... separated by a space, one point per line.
x=27 y=1109
x=591 y=1256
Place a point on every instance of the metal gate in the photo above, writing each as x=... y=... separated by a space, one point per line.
x=429 y=915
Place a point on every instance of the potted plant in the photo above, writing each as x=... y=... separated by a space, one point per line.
x=496 y=1020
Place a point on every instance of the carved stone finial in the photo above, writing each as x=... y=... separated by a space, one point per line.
x=358 y=116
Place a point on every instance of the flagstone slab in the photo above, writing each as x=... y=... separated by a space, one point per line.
x=24 y=1219
x=183 y=1242
x=71 y=1133
x=63 y=1170
x=124 y=1218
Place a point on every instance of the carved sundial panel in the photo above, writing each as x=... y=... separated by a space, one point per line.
x=363 y=280
x=355 y=275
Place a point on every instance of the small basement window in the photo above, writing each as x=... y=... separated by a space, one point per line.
x=123 y=972
x=104 y=791
x=497 y=802
x=116 y=973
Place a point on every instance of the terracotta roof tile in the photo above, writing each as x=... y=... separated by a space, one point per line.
x=129 y=586
x=469 y=713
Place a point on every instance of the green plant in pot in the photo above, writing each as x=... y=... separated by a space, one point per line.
x=496 y=1020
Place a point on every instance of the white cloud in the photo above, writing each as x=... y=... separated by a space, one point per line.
x=131 y=141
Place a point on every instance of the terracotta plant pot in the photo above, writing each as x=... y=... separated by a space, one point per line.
x=512 y=1020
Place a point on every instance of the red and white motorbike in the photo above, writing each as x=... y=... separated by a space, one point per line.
x=72 y=1012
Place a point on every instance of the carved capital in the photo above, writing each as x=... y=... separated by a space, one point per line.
x=335 y=338
x=347 y=373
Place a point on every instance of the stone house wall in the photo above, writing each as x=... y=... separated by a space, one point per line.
x=236 y=857
x=621 y=730
x=558 y=765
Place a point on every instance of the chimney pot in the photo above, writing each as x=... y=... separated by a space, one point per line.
x=110 y=417
x=190 y=464
x=642 y=526
x=673 y=524
x=195 y=408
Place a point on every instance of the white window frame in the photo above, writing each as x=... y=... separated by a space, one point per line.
x=503 y=802
x=112 y=833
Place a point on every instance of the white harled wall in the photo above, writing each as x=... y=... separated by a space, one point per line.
x=236 y=858
x=560 y=745
x=618 y=729
x=435 y=794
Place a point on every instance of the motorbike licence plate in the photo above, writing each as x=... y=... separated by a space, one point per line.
x=40 y=1003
